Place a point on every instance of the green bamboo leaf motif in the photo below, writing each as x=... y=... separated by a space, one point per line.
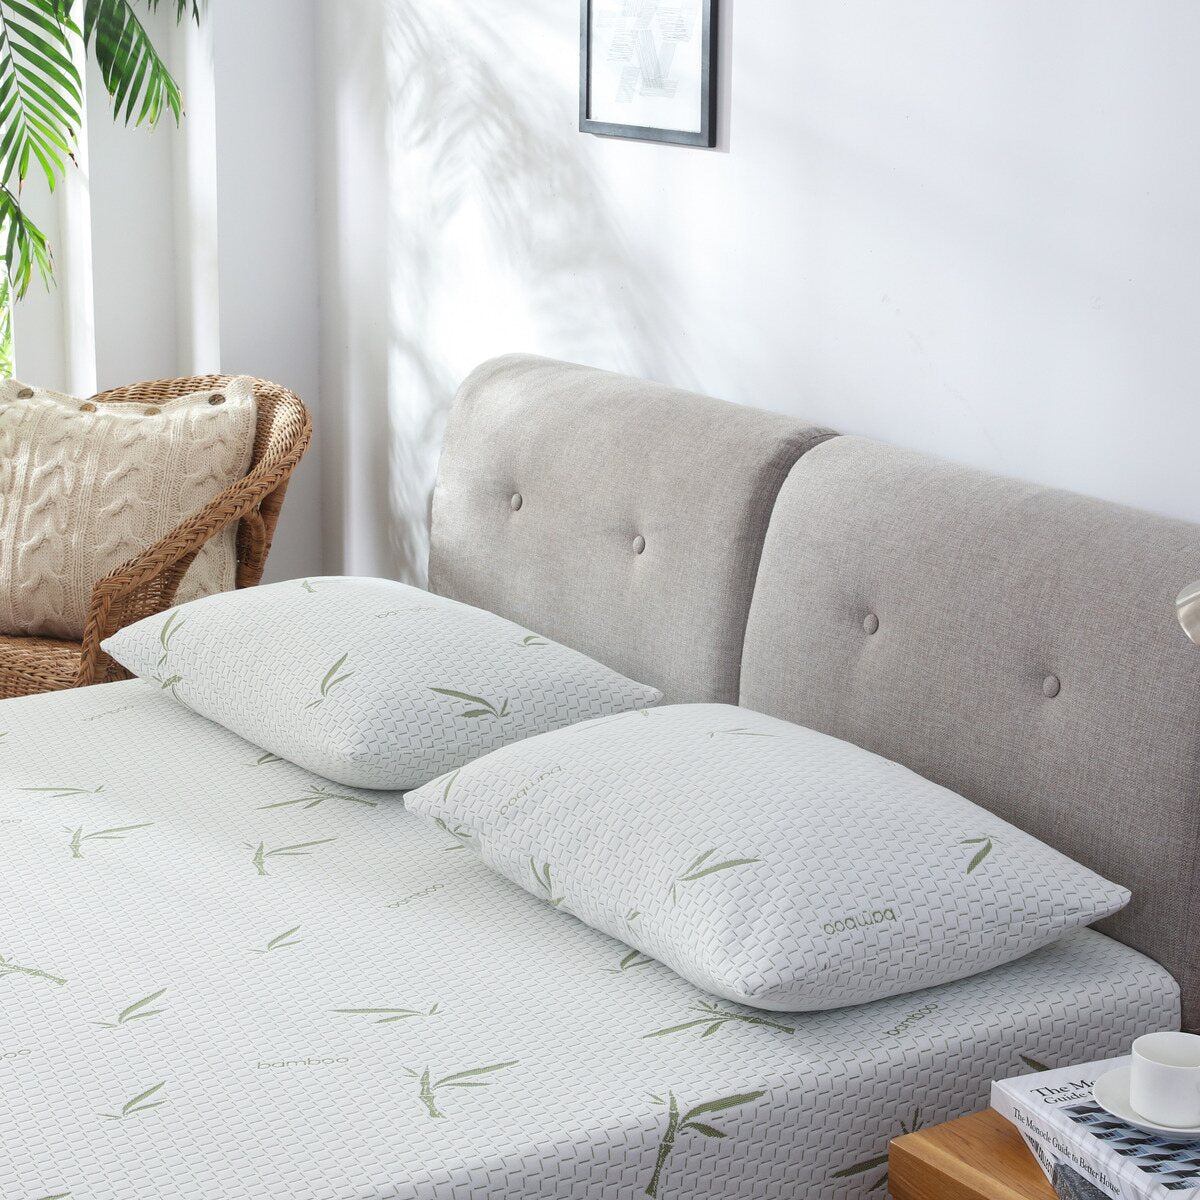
x=470 y=1078
x=450 y=781
x=139 y=1010
x=331 y=680
x=726 y=1102
x=281 y=941
x=532 y=640
x=542 y=876
x=632 y=960
x=57 y=1196
x=9 y=967
x=265 y=760
x=307 y=586
x=985 y=848
x=63 y=793
x=170 y=684
x=870 y=1164
x=700 y=868
x=688 y=1122
x=3 y=735
x=740 y=731
x=1033 y=1064
x=317 y=795
x=477 y=706
x=173 y=624
x=459 y=831
x=139 y=1104
x=879 y=1160
x=298 y=850
x=115 y=834
x=632 y=915
x=716 y=1017
x=389 y=1016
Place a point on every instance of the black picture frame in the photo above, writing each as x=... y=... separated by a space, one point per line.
x=707 y=134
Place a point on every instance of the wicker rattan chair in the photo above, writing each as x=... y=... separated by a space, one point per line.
x=146 y=584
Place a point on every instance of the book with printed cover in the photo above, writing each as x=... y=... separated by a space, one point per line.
x=1086 y=1153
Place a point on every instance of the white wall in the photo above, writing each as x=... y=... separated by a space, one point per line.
x=966 y=228
x=194 y=250
x=265 y=53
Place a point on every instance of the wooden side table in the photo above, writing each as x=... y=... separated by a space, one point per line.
x=980 y=1157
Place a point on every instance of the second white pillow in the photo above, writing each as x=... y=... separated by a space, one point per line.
x=766 y=863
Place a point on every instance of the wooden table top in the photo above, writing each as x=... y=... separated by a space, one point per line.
x=980 y=1157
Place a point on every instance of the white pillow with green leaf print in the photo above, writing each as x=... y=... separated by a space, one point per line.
x=368 y=682
x=767 y=863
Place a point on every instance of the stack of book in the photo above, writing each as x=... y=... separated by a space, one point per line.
x=1087 y=1153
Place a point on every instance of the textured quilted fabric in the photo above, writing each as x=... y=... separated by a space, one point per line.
x=765 y=862
x=224 y=979
x=368 y=682
x=83 y=488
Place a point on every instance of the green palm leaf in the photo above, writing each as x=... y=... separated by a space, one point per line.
x=182 y=9
x=135 y=77
x=41 y=98
x=42 y=105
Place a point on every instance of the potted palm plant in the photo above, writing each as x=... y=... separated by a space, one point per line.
x=41 y=108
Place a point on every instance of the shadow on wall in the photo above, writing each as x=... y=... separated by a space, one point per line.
x=499 y=237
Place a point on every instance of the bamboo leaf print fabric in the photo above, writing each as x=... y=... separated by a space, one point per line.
x=370 y=1017
x=368 y=682
x=769 y=864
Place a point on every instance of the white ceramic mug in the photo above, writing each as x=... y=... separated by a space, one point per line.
x=1164 y=1079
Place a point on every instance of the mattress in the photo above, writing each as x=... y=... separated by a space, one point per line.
x=223 y=977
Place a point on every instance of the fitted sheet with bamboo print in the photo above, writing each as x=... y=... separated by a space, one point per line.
x=223 y=978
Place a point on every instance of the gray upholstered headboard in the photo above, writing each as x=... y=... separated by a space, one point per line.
x=1017 y=644
x=1014 y=643
x=617 y=516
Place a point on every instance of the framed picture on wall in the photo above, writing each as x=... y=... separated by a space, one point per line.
x=648 y=69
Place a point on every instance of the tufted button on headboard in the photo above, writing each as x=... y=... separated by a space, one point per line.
x=1014 y=643
x=619 y=517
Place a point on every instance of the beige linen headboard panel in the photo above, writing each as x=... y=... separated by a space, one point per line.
x=617 y=516
x=1015 y=643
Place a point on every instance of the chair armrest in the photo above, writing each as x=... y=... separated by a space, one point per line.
x=147 y=583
